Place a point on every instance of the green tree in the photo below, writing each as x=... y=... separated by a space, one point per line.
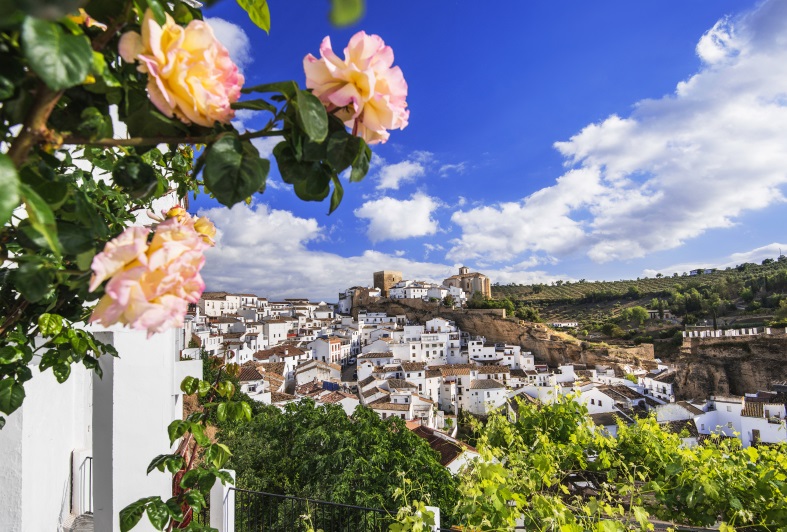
x=319 y=452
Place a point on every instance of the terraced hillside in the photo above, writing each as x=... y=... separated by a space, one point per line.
x=747 y=289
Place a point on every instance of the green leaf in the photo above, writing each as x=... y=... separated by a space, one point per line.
x=246 y=411
x=158 y=513
x=234 y=170
x=172 y=462
x=338 y=194
x=158 y=11
x=258 y=12
x=189 y=385
x=9 y=184
x=203 y=388
x=176 y=429
x=41 y=217
x=346 y=12
x=343 y=149
x=11 y=395
x=316 y=187
x=312 y=116
x=195 y=499
x=198 y=432
x=255 y=105
x=134 y=176
x=50 y=324
x=32 y=280
x=60 y=59
x=287 y=88
x=361 y=163
x=131 y=514
x=95 y=124
x=221 y=411
x=225 y=389
x=10 y=355
x=75 y=240
x=61 y=370
x=48 y=9
x=217 y=454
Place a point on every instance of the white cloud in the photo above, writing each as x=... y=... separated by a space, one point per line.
x=458 y=168
x=234 y=40
x=265 y=145
x=392 y=176
x=757 y=255
x=676 y=167
x=392 y=219
x=265 y=251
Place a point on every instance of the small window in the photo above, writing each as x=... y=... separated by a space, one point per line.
x=487 y=394
x=592 y=401
x=702 y=426
x=729 y=409
x=599 y=402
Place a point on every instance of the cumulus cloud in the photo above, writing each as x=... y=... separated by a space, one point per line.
x=458 y=168
x=392 y=219
x=265 y=251
x=234 y=40
x=674 y=168
x=392 y=176
x=757 y=255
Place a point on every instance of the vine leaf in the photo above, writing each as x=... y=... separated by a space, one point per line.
x=258 y=11
x=60 y=59
x=234 y=170
x=9 y=184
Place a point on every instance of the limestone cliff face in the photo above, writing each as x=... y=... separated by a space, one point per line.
x=715 y=366
x=731 y=365
x=547 y=346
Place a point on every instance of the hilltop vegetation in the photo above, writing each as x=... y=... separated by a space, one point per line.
x=756 y=291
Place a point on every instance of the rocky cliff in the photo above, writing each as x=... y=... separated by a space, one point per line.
x=710 y=367
x=548 y=346
x=724 y=366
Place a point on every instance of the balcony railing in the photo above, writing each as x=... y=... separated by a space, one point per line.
x=260 y=511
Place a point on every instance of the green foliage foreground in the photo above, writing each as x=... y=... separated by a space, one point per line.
x=320 y=453
x=555 y=470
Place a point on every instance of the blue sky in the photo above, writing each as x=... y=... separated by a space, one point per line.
x=558 y=139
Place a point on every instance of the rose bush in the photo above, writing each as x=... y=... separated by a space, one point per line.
x=366 y=91
x=190 y=73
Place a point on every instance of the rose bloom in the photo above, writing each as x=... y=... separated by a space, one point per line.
x=151 y=284
x=190 y=73
x=369 y=93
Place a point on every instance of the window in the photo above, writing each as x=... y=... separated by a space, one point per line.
x=599 y=402
x=402 y=416
x=487 y=394
x=702 y=426
x=592 y=401
x=729 y=409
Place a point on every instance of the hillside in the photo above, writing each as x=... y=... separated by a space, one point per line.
x=746 y=295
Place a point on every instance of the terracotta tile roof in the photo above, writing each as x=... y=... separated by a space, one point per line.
x=606 y=419
x=336 y=396
x=248 y=374
x=371 y=391
x=491 y=370
x=486 y=384
x=368 y=380
x=368 y=356
x=518 y=373
x=400 y=384
x=276 y=368
x=667 y=377
x=283 y=350
x=691 y=408
x=753 y=409
x=385 y=404
x=413 y=366
x=432 y=373
x=676 y=427
x=447 y=447
x=702 y=438
x=623 y=390
x=281 y=397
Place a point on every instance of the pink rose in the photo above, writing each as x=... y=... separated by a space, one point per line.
x=190 y=73
x=369 y=93
x=151 y=285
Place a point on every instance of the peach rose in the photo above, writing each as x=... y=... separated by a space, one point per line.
x=190 y=73
x=369 y=93
x=151 y=284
